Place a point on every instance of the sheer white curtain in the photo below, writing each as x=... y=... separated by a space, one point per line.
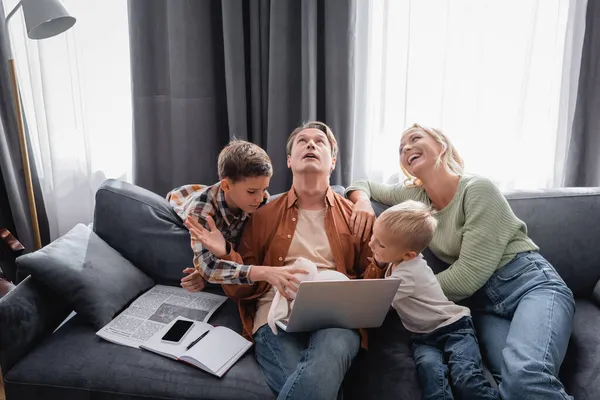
x=499 y=77
x=76 y=90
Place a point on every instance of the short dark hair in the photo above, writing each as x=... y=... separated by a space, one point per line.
x=313 y=125
x=241 y=159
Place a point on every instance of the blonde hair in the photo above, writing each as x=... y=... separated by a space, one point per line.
x=449 y=157
x=412 y=221
x=313 y=125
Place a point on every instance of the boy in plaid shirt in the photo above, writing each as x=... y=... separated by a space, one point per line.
x=245 y=172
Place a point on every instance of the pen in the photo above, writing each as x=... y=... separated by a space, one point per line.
x=196 y=341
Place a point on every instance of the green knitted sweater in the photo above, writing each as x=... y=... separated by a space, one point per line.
x=477 y=231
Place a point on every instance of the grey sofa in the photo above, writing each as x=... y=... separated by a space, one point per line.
x=72 y=363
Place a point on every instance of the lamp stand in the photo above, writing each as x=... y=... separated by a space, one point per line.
x=25 y=155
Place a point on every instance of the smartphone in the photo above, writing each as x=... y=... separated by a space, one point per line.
x=178 y=331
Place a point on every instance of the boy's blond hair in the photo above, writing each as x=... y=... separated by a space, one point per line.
x=412 y=222
x=241 y=159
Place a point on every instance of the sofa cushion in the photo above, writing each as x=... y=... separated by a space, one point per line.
x=579 y=371
x=83 y=363
x=387 y=370
x=143 y=227
x=28 y=314
x=90 y=275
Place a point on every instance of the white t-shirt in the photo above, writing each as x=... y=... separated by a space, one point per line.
x=420 y=301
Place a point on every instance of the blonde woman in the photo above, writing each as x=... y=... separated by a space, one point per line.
x=522 y=308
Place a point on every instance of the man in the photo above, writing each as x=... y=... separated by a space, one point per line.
x=313 y=222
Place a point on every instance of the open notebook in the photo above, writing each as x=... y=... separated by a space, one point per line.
x=214 y=353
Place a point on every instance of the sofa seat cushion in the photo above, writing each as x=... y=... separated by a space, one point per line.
x=74 y=362
x=387 y=370
x=580 y=370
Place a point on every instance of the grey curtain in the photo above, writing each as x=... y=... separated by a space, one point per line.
x=583 y=160
x=204 y=71
x=17 y=213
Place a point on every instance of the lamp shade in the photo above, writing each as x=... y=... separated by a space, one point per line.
x=46 y=18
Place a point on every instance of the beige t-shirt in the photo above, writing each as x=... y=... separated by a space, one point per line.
x=310 y=241
x=420 y=301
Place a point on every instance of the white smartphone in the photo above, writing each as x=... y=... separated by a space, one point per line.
x=178 y=331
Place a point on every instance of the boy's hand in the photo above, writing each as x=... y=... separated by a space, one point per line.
x=194 y=282
x=212 y=239
x=362 y=219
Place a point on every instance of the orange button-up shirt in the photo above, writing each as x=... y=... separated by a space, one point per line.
x=267 y=237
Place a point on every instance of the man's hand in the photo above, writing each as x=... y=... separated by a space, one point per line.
x=212 y=239
x=194 y=282
x=362 y=219
x=280 y=277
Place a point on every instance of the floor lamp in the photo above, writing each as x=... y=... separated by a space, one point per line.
x=43 y=19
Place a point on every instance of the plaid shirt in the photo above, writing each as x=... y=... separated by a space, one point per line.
x=201 y=201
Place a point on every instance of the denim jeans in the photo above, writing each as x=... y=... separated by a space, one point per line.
x=524 y=317
x=448 y=361
x=306 y=365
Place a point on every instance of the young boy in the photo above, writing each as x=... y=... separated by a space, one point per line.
x=245 y=172
x=443 y=343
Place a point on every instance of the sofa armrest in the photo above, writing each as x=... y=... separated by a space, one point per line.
x=28 y=313
x=143 y=227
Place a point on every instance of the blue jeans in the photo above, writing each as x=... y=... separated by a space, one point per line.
x=306 y=365
x=524 y=317
x=448 y=360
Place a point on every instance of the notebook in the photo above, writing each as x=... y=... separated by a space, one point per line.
x=215 y=353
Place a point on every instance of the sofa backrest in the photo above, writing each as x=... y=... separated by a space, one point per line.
x=565 y=224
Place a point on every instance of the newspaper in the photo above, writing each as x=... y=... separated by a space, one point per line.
x=156 y=308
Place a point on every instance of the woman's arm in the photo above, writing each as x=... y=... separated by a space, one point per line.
x=489 y=226
x=379 y=192
x=362 y=192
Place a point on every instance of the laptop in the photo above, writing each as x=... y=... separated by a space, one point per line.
x=352 y=304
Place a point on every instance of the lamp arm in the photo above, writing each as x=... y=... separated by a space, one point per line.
x=14 y=10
